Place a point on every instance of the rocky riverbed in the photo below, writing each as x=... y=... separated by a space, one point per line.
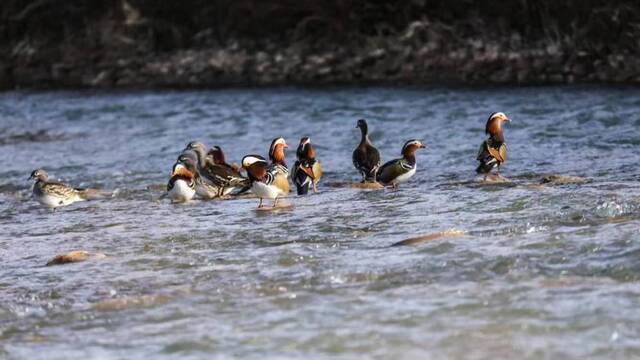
x=424 y=53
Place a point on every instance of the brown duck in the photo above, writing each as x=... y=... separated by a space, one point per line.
x=366 y=158
x=493 y=151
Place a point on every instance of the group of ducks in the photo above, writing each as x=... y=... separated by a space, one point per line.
x=208 y=175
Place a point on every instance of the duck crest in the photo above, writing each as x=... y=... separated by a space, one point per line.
x=218 y=156
x=494 y=129
x=256 y=167
x=305 y=150
x=276 y=152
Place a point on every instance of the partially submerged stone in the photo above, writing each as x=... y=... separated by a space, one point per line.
x=430 y=237
x=495 y=179
x=367 y=185
x=556 y=179
x=74 y=256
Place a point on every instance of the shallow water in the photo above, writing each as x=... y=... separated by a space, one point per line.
x=541 y=271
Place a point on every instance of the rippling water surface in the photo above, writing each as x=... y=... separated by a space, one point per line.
x=542 y=271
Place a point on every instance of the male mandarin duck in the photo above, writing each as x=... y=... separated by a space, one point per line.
x=493 y=151
x=263 y=179
x=279 y=164
x=366 y=158
x=400 y=170
x=182 y=184
x=307 y=170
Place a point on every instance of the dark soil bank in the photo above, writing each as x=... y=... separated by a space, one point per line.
x=198 y=43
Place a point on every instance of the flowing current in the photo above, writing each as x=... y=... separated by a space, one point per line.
x=535 y=270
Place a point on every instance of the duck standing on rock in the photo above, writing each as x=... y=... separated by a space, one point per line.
x=263 y=179
x=493 y=151
x=306 y=170
x=399 y=170
x=278 y=165
x=366 y=158
x=182 y=184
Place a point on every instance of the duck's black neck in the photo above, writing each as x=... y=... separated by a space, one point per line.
x=364 y=131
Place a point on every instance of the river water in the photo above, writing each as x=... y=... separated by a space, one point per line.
x=540 y=271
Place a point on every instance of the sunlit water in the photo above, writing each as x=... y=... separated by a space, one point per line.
x=542 y=272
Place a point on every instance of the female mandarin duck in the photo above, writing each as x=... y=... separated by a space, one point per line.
x=214 y=180
x=399 y=170
x=493 y=151
x=366 y=158
x=307 y=170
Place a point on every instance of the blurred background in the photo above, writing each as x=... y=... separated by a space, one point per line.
x=210 y=43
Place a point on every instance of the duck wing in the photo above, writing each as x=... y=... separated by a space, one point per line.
x=366 y=158
x=392 y=169
x=59 y=189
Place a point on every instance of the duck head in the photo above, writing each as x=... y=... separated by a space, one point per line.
x=276 y=151
x=39 y=175
x=217 y=155
x=256 y=167
x=409 y=149
x=185 y=166
x=494 y=126
x=200 y=149
x=362 y=125
x=305 y=149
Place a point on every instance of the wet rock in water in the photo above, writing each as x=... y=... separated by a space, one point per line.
x=495 y=179
x=426 y=238
x=555 y=179
x=367 y=185
x=75 y=256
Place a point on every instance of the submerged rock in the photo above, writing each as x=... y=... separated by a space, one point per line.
x=555 y=179
x=75 y=256
x=367 y=185
x=430 y=237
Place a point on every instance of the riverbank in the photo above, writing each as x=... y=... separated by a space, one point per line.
x=402 y=60
x=130 y=46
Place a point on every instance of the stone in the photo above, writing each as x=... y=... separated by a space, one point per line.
x=74 y=256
